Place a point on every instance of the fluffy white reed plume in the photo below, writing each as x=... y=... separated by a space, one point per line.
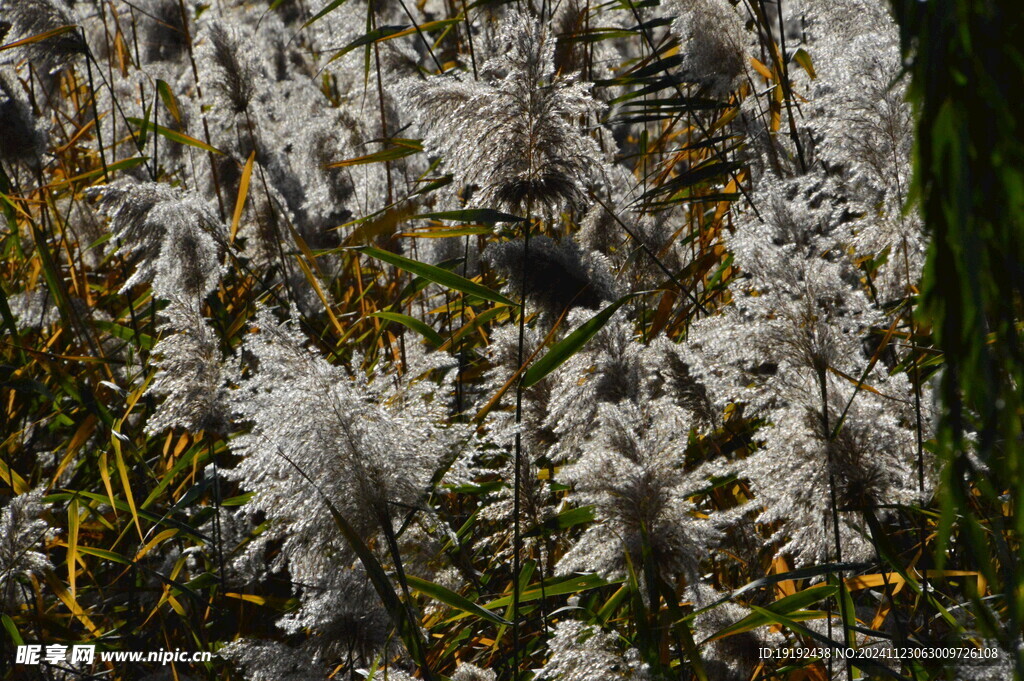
x=190 y=374
x=581 y=652
x=715 y=44
x=264 y=660
x=519 y=133
x=864 y=133
x=173 y=238
x=735 y=657
x=233 y=72
x=317 y=431
x=21 y=529
x=791 y=349
x=615 y=368
x=631 y=471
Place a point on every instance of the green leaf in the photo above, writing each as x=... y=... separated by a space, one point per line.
x=239 y=500
x=403 y=620
x=484 y=215
x=465 y=230
x=556 y=586
x=415 y=324
x=438 y=592
x=400 y=149
x=104 y=554
x=12 y=630
x=571 y=344
x=435 y=274
x=613 y=603
x=367 y=39
x=142 y=340
x=174 y=136
x=804 y=60
x=169 y=100
x=784 y=606
x=574 y=516
x=330 y=7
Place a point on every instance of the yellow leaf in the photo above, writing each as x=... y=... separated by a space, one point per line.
x=105 y=474
x=12 y=478
x=243 y=191
x=251 y=598
x=38 y=38
x=122 y=471
x=166 y=534
x=762 y=69
x=68 y=600
x=72 y=559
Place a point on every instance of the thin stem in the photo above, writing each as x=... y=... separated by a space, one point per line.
x=95 y=111
x=517 y=541
x=469 y=38
x=218 y=537
x=199 y=97
x=833 y=498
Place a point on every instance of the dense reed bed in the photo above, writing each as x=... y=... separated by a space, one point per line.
x=564 y=340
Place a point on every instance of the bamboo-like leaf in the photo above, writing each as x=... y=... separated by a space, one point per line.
x=112 y=556
x=435 y=274
x=416 y=325
x=369 y=38
x=804 y=60
x=72 y=557
x=561 y=351
x=173 y=135
x=11 y=629
x=52 y=33
x=428 y=26
x=243 y=193
x=784 y=606
x=329 y=7
x=69 y=601
x=122 y=471
x=570 y=518
x=121 y=505
x=169 y=100
x=555 y=586
x=12 y=479
x=438 y=592
x=467 y=230
x=400 y=148
x=104 y=467
x=123 y=164
x=761 y=69
x=142 y=340
x=152 y=543
x=474 y=215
